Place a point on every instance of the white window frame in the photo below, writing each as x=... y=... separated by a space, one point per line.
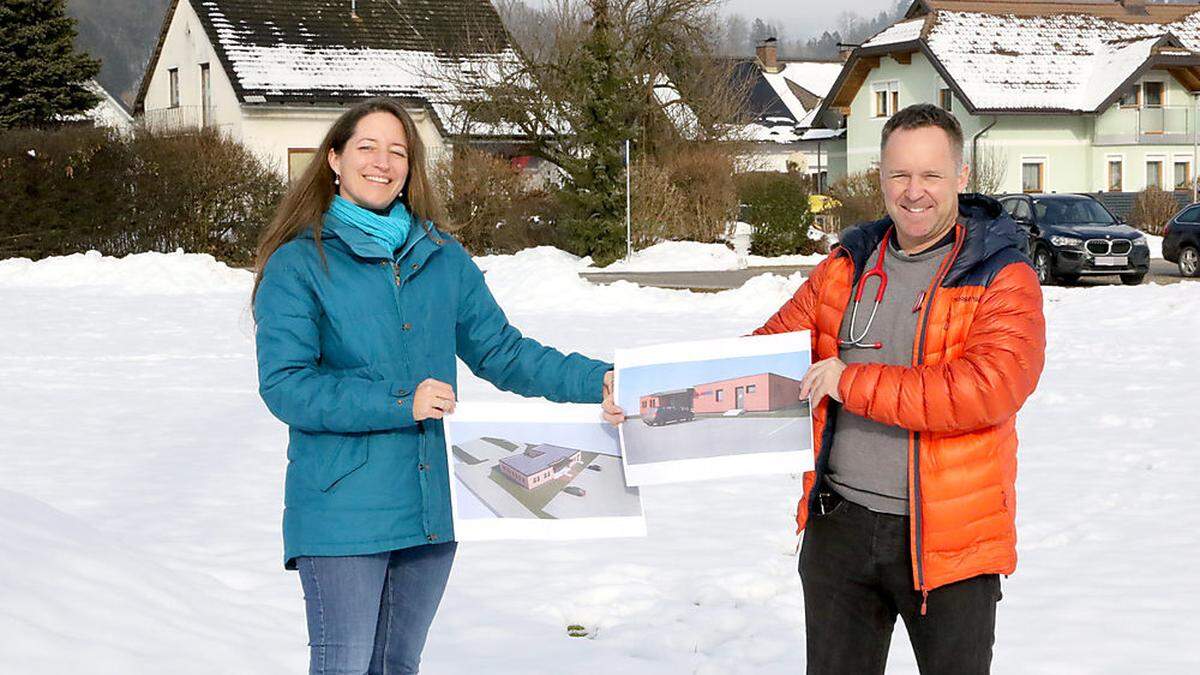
x=1108 y=159
x=172 y=87
x=891 y=100
x=1036 y=159
x=1162 y=170
x=1182 y=159
x=206 y=99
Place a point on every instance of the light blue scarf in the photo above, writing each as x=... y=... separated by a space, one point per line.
x=391 y=231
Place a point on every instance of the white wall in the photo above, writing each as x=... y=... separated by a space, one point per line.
x=270 y=131
x=186 y=47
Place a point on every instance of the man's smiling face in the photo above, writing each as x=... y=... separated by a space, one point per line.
x=921 y=174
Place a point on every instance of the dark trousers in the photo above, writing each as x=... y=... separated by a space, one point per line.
x=856 y=571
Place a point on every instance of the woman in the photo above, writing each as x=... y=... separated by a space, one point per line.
x=361 y=307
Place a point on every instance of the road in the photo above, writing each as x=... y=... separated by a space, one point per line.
x=1161 y=272
x=713 y=437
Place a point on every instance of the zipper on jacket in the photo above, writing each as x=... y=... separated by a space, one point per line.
x=920 y=359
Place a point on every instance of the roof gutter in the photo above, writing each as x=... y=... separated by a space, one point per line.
x=975 y=149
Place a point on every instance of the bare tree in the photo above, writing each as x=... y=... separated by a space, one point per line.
x=612 y=70
x=988 y=170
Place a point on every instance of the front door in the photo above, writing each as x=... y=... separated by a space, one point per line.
x=739 y=398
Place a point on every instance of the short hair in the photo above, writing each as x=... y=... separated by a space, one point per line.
x=922 y=115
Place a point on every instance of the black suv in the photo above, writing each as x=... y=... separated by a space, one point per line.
x=1075 y=235
x=1181 y=241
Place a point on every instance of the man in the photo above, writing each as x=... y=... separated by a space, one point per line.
x=911 y=508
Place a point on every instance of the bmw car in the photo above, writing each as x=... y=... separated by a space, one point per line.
x=1071 y=236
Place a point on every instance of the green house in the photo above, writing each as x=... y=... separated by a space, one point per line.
x=1097 y=96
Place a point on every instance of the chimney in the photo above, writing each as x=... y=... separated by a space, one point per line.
x=1134 y=7
x=768 y=55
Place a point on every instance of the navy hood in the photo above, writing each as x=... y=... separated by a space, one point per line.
x=993 y=240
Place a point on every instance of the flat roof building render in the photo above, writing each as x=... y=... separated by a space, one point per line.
x=538 y=464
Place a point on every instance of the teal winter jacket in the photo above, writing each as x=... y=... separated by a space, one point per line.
x=340 y=351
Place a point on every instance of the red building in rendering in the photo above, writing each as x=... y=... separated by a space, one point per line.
x=751 y=393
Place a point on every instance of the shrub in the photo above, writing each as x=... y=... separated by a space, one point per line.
x=686 y=195
x=491 y=207
x=859 y=198
x=77 y=188
x=776 y=204
x=1152 y=208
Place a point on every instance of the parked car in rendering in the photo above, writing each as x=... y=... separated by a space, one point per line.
x=1181 y=240
x=1075 y=235
x=575 y=491
x=666 y=407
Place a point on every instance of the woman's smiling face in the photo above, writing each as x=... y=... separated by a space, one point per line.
x=373 y=165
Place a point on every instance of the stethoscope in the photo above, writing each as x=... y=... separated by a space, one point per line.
x=856 y=341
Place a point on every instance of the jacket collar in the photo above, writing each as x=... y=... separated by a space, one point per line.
x=423 y=240
x=989 y=230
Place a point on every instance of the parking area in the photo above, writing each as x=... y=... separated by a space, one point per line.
x=713 y=437
x=604 y=493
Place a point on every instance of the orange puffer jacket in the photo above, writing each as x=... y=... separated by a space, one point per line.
x=978 y=354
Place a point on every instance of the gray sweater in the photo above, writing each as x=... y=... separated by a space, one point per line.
x=868 y=461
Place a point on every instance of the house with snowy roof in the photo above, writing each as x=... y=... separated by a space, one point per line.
x=782 y=99
x=1082 y=96
x=274 y=74
x=108 y=112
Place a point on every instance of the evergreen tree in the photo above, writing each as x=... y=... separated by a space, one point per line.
x=41 y=76
x=609 y=115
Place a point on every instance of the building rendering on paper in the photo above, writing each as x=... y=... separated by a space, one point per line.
x=539 y=464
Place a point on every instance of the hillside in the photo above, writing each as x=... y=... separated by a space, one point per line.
x=122 y=34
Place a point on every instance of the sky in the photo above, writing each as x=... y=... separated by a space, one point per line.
x=804 y=18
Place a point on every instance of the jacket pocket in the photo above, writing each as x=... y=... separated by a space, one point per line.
x=328 y=458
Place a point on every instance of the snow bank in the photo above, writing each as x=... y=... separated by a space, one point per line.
x=167 y=273
x=547 y=279
x=79 y=600
x=1155 y=244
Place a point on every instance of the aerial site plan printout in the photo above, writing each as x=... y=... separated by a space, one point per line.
x=714 y=408
x=538 y=470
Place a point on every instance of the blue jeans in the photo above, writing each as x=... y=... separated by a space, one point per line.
x=371 y=613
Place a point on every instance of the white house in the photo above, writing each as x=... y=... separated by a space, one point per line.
x=274 y=74
x=109 y=112
x=782 y=101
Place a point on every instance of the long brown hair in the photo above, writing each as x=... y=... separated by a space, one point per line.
x=309 y=198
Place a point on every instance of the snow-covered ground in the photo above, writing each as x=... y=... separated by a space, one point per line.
x=141 y=500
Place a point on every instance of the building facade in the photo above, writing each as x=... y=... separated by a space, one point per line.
x=275 y=74
x=763 y=392
x=539 y=464
x=1052 y=97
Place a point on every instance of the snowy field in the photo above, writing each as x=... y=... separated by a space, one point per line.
x=142 y=493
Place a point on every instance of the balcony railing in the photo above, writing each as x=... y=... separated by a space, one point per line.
x=179 y=118
x=1148 y=125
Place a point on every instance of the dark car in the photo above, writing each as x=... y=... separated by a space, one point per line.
x=1075 y=235
x=1181 y=241
x=667 y=407
x=576 y=491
